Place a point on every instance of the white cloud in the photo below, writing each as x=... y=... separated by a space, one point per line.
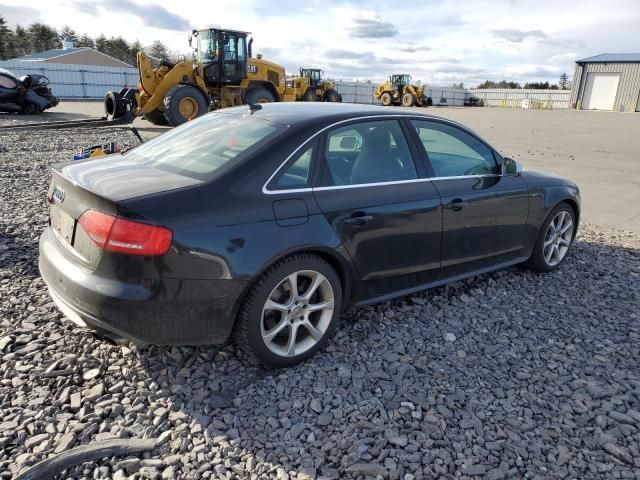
x=438 y=42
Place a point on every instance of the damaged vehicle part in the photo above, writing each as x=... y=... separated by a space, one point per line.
x=29 y=94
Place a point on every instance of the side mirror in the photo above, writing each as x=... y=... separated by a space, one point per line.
x=510 y=167
x=348 y=143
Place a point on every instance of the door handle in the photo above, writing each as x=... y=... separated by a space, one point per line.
x=456 y=204
x=358 y=218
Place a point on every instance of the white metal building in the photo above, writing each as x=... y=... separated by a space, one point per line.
x=610 y=81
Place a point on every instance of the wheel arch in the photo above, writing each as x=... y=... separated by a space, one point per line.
x=207 y=97
x=253 y=84
x=337 y=261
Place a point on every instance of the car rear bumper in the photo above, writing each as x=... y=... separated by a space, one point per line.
x=159 y=311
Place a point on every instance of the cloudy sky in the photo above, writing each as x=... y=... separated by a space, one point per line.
x=439 y=42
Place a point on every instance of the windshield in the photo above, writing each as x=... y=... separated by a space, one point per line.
x=206 y=146
x=208 y=48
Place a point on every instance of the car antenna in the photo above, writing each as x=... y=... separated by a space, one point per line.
x=254 y=107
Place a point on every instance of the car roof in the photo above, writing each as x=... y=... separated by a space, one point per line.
x=291 y=113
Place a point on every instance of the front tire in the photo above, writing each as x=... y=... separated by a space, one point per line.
x=290 y=312
x=554 y=239
x=183 y=103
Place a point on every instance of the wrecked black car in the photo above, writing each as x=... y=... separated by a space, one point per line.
x=29 y=94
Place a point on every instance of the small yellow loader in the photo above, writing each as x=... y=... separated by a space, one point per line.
x=222 y=74
x=399 y=90
x=310 y=87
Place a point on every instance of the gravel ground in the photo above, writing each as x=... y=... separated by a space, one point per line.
x=510 y=375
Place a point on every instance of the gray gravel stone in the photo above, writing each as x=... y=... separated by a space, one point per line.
x=541 y=382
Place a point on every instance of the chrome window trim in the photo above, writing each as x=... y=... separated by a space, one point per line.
x=266 y=191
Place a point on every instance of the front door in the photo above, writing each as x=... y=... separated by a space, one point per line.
x=387 y=215
x=484 y=214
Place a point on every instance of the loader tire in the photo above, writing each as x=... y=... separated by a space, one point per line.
x=386 y=99
x=332 y=96
x=408 y=100
x=183 y=103
x=309 y=96
x=156 y=117
x=258 y=95
x=114 y=106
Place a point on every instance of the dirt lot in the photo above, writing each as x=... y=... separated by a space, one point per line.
x=600 y=151
x=508 y=375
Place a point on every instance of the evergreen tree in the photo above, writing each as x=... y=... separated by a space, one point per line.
x=134 y=48
x=101 y=43
x=21 y=42
x=68 y=32
x=42 y=37
x=85 y=41
x=564 y=81
x=6 y=40
x=158 y=50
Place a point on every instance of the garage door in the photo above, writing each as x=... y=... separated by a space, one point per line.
x=600 y=91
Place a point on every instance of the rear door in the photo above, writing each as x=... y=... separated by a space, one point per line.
x=484 y=214
x=377 y=200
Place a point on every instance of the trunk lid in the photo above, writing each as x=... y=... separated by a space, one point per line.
x=99 y=184
x=116 y=178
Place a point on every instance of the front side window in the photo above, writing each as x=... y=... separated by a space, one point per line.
x=454 y=152
x=368 y=152
x=205 y=146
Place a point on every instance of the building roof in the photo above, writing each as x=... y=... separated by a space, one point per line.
x=612 y=58
x=54 y=52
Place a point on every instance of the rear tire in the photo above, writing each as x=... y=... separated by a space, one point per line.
x=156 y=117
x=332 y=96
x=408 y=100
x=386 y=99
x=30 y=109
x=281 y=328
x=183 y=103
x=259 y=95
x=551 y=248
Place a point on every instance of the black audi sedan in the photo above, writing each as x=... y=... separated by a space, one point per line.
x=264 y=223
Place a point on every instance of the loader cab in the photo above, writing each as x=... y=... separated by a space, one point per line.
x=223 y=55
x=313 y=74
x=401 y=79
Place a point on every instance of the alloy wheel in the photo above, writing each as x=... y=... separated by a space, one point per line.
x=558 y=238
x=297 y=313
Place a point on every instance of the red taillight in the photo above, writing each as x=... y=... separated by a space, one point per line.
x=116 y=234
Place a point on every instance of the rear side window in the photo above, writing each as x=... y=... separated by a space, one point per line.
x=7 y=82
x=453 y=152
x=368 y=152
x=204 y=147
x=297 y=174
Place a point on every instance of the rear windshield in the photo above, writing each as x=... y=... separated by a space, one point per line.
x=206 y=146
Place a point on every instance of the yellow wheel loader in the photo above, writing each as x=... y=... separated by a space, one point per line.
x=222 y=74
x=399 y=90
x=309 y=87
